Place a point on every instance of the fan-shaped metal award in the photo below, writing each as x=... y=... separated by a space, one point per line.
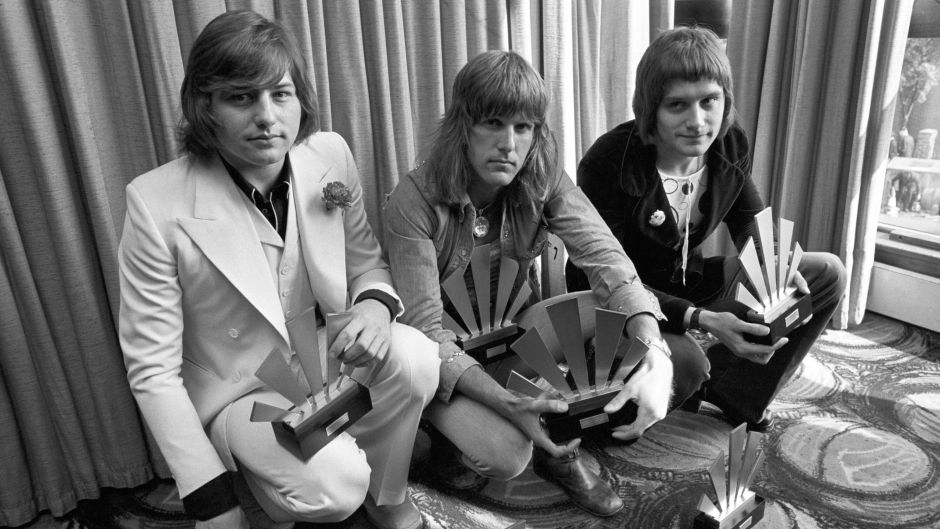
x=590 y=382
x=485 y=327
x=737 y=507
x=335 y=401
x=773 y=299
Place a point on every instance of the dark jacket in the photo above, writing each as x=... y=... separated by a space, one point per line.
x=618 y=174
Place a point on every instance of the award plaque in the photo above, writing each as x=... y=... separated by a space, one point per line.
x=737 y=506
x=486 y=327
x=585 y=388
x=773 y=299
x=334 y=403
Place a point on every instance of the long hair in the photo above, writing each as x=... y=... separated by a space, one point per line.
x=493 y=84
x=680 y=54
x=237 y=50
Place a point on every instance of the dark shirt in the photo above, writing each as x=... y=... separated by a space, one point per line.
x=274 y=206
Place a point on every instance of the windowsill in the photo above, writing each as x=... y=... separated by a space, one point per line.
x=917 y=252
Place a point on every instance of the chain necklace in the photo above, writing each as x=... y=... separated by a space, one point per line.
x=481 y=224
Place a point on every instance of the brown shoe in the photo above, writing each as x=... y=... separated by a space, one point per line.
x=585 y=488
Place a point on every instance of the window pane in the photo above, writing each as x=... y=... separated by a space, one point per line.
x=912 y=184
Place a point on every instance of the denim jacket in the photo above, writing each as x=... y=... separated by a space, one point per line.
x=427 y=240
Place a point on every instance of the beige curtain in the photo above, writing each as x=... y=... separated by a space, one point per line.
x=815 y=84
x=90 y=100
x=590 y=53
x=78 y=118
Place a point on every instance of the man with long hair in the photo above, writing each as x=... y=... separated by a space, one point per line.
x=492 y=177
x=226 y=251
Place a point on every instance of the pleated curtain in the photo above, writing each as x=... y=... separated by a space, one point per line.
x=89 y=100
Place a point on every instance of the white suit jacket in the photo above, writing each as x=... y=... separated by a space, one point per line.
x=199 y=306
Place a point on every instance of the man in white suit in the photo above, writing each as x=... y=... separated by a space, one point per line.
x=227 y=249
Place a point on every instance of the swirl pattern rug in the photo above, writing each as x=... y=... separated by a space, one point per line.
x=856 y=444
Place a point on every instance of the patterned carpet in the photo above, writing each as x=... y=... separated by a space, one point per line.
x=856 y=445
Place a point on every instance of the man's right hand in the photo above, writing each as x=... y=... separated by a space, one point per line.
x=730 y=330
x=233 y=518
x=522 y=411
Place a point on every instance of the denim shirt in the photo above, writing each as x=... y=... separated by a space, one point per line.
x=427 y=240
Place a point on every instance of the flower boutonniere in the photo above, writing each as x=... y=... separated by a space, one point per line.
x=337 y=195
x=657 y=218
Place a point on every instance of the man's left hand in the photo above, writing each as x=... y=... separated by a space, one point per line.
x=651 y=388
x=366 y=337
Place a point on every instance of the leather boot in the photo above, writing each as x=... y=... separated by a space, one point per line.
x=585 y=488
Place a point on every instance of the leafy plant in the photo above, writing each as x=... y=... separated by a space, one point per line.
x=920 y=72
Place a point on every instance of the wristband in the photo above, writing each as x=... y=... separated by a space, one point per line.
x=382 y=297
x=693 y=320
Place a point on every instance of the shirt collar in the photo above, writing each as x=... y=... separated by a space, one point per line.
x=283 y=180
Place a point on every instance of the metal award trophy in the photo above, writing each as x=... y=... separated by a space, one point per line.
x=483 y=333
x=738 y=507
x=334 y=403
x=593 y=388
x=778 y=304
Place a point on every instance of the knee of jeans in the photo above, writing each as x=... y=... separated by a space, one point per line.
x=416 y=356
x=505 y=462
x=831 y=273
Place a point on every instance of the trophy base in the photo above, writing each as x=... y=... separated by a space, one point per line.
x=485 y=347
x=307 y=433
x=586 y=417
x=747 y=514
x=790 y=313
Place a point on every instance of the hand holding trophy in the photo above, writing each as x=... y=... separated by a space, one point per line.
x=586 y=389
x=773 y=299
x=334 y=402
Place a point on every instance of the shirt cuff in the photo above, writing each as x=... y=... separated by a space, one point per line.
x=636 y=299
x=453 y=363
x=382 y=297
x=212 y=499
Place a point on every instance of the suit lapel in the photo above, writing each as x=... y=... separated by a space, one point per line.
x=321 y=231
x=223 y=230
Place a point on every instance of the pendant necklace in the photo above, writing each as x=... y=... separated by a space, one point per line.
x=481 y=224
